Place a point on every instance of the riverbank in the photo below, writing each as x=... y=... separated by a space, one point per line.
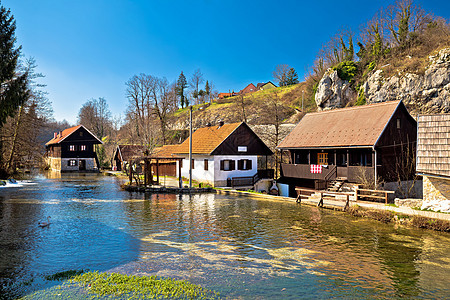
x=377 y=211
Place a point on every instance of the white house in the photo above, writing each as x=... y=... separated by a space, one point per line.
x=223 y=152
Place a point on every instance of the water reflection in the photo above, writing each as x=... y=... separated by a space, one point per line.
x=240 y=247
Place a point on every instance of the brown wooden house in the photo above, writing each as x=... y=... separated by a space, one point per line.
x=433 y=156
x=370 y=141
x=72 y=150
x=125 y=154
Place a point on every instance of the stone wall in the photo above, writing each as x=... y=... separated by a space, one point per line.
x=435 y=189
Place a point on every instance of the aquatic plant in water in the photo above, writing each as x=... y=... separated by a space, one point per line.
x=142 y=287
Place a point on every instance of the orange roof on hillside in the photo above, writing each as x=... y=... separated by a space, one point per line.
x=205 y=140
x=346 y=127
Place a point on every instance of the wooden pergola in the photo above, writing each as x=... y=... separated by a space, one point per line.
x=152 y=160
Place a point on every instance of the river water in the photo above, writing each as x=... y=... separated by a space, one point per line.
x=238 y=246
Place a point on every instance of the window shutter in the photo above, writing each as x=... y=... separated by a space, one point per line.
x=232 y=165
x=249 y=164
x=192 y=163
x=206 y=165
x=221 y=165
x=181 y=163
x=241 y=164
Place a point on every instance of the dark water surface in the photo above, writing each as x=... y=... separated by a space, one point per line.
x=241 y=247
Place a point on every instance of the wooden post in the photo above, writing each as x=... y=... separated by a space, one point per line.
x=180 y=179
x=145 y=171
x=386 y=197
x=356 y=195
x=130 y=173
x=320 y=204
x=157 y=171
x=348 y=159
x=347 y=204
x=335 y=158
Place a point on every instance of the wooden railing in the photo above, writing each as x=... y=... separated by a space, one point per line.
x=251 y=180
x=375 y=195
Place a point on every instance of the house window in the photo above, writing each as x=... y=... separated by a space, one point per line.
x=206 y=164
x=72 y=163
x=83 y=148
x=322 y=158
x=244 y=164
x=81 y=133
x=242 y=148
x=71 y=147
x=227 y=165
x=399 y=123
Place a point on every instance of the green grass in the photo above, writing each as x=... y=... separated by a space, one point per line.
x=141 y=287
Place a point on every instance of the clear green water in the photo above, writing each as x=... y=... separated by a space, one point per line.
x=241 y=247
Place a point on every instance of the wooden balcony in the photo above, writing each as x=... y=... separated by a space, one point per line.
x=352 y=173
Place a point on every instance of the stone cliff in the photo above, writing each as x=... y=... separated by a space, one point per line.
x=427 y=92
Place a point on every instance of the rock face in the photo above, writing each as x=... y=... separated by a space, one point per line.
x=332 y=91
x=429 y=92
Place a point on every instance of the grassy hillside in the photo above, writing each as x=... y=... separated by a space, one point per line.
x=257 y=108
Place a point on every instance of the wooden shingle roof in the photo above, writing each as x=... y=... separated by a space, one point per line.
x=347 y=127
x=433 y=145
x=206 y=139
x=130 y=152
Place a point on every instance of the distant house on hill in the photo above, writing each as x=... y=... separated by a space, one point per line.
x=248 y=89
x=226 y=95
x=370 y=141
x=72 y=150
x=433 y=156
x=265 y=86
x=125 y=154
x=222 y=153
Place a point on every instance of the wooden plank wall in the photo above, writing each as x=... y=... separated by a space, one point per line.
x=433 y=144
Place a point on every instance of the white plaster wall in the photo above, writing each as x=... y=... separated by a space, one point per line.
x=199 y=173
x=90 y=164
x=221 y=176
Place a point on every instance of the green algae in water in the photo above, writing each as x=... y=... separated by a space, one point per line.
x=141 y=287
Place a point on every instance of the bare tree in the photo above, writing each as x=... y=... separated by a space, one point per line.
x=96 y=116
x=196 y=80
x=405 y=18
x=280 y=74
x=22 y=134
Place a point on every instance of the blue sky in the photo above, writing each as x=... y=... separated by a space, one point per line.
x=89 y=49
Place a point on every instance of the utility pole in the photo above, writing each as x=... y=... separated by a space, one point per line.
x=303 y=92
x=190 y=147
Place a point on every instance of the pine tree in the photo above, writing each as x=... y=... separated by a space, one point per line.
x=13 y=86
x=181 y=86
x=292 y=77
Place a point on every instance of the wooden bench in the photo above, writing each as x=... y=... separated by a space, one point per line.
x=303 y=193
x=335 y=196
x=361 y=194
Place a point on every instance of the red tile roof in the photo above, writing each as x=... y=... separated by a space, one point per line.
x=206 y=139
x=346 y=127
x=66 y=132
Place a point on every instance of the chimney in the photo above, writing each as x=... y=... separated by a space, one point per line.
x=55 y=135
x=220 y=124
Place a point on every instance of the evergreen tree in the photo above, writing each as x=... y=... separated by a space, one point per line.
x=13 y=86
x=181 y=86
x=291 y=77
x=208 y=90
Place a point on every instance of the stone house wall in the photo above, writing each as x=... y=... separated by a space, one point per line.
x=436 y=189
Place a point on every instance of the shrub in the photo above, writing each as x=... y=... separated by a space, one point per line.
x=346 y=70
